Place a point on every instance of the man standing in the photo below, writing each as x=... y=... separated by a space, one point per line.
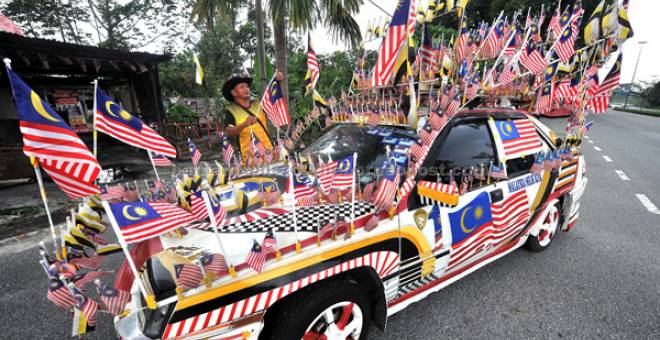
x=245 y=118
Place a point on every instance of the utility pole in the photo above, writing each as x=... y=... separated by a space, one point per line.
x=632 y=82
x=261 y=50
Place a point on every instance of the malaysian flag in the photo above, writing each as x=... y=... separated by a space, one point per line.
x=509 y=73
x=539 y=162
x=613 y=78
x=114 y=300
x=384 y=196
x=113 y=120
x=256 y=257
x=300 y=186
x=7 y=25
x=199 y=207
x=269 y=243
x=89 y=262
x=371 y=223
x=139 y=221
x=565 y=47
x=313 y=68
x=160 y=160
x=85 y=306
x=418 y=150
x=491 y=44
x=545 y=98
x=427 y=53
x=480 y=226
x=454 y=104
x=112 y=192
x=497 y=172
x=188 y=276
x=461 y=46
x=344 y=176
x=195 y=154
x=554 y=25
x=400 y=28
x=532 y=59
x=326 y=174
x=274 y=105
x=518 y=137
x=269 y=193
x=437 y=120
x=427 y=134
x=227 y=150
x=59 y=150
x=59 y=294
x=214 y=264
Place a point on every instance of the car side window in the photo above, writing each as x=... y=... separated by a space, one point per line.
x=519 y=166
x=468 y=144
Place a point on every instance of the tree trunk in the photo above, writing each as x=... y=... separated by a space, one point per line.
x=279 y=33
x=261 y=51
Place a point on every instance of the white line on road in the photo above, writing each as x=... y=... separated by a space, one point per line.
x=597 y=148
x=607 y=159
x=587 y=137
x=646 y=202
x=590 y=142
x=622 y=175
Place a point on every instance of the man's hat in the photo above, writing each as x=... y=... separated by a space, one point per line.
x=231 y=82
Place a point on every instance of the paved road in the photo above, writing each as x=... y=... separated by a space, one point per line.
x=598 y=281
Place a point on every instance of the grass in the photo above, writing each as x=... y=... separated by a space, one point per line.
x=638 y=110
x=20 y=211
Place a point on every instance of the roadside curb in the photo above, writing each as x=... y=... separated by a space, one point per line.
x=19 y=238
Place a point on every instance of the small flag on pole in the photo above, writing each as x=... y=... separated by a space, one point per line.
x=256 y=257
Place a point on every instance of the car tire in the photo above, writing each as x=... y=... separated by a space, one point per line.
x=548 y=230
x=305 y=316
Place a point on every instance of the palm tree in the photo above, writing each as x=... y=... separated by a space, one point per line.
x=303 y=15
x=207 y=11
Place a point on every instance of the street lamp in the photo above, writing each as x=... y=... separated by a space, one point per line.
x=632 y=82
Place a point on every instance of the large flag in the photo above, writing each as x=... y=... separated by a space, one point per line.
x=199 y=72
x=274 y=105
x=113 y=120
x=479 y=225
x=59 y=150
x=397 y=33
x=313 y=69
x=139 y=221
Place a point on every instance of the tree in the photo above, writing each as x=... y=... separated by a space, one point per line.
x=118 y=24
x=651 y=94
x=304 y=15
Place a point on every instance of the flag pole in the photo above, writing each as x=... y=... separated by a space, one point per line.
x=292 y=199
x=352 y=231
x=94 y=131
x=150 y=299
x=151 y=159
x=44 y=199
x=214 y=224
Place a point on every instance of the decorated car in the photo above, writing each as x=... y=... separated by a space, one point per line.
x=332 y=269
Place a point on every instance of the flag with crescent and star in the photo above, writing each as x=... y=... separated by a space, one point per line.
x=344 y=174
x=48 y=138
x=113 y=120
x=518 y=137
x=139 y=221
x=470 y=217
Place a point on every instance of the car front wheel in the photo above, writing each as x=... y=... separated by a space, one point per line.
x=336 y=310
x=547 y=231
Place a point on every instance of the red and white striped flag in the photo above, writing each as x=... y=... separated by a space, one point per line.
x=400 y=27
x=214 y=263
x=256 y=257
x=114 y=300
x=113 y=120
x=59 y=150
x=160 y=160
x=112 y=192
x=313 y=69
x=7 y=25
x=188 y=276
x=59 y=294
x=270 y=243
x=532 y=59
x=274 y=105
x=326 y=174
x=518 y=136
x=195 y=154
x=139 y=221
x=385 y=193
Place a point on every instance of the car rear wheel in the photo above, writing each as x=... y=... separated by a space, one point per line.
x=337 y=310
x=547 y=231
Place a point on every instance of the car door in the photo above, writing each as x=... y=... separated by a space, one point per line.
x=463 y=228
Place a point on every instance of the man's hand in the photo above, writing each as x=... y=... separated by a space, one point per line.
x=278 y=75
x=249 y=121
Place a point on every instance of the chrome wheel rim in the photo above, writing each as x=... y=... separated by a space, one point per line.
x=343 y=320
x=549 y=226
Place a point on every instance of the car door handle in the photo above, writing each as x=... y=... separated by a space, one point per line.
x=496 y=195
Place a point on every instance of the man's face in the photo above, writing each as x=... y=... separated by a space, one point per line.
x=241 y=91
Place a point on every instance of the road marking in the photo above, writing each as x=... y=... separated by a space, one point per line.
x=622 y=175
x=646 y=202
x=607 y=159
x=597 y=148
x=587 y=137
x=590 y=141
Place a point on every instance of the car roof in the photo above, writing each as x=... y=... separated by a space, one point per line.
x=497 y=113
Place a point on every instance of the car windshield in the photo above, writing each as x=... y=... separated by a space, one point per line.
x=369 y=142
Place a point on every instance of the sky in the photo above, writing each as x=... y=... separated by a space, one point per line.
x=643 y=15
